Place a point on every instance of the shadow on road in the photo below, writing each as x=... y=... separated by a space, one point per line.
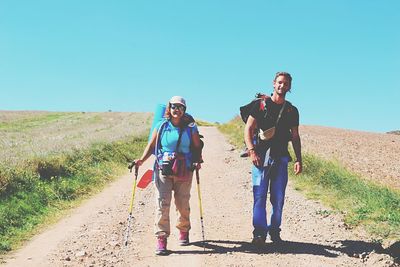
x=352 y=248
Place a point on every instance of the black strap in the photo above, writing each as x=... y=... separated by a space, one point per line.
x=179 y=139
x=280 y=112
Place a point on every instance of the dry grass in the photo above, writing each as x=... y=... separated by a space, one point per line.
x=27 y=134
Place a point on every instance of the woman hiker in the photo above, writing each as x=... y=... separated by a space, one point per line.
x=175 y=142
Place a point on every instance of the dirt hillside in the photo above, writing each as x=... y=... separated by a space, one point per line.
x=375 y=156
x=93 y=234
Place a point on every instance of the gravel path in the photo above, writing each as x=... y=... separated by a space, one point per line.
x=93 y=234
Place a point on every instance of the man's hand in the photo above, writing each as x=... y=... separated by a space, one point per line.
x=254 y=158
x=298 y=167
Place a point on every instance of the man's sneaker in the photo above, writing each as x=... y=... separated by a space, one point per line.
x=161 y=248
x=275 y=236
x=258 y=241
x=183 y=238
x=244 y=153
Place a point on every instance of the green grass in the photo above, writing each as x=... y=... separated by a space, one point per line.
x=39 y=188
x=362 y=203
x=234 y=130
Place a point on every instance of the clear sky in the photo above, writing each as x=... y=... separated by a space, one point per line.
x=93 y=55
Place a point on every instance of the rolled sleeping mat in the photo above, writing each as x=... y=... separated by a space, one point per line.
x=159 y=113
x=158 y=116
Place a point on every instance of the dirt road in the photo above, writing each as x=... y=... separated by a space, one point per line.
x=93 y=234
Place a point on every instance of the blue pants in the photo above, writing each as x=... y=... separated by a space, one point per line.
x=275 y=176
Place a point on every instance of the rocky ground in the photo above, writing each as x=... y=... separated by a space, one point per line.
x=93 y=235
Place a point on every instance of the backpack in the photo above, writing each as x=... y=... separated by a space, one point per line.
x=246 y=109
x=197 y=156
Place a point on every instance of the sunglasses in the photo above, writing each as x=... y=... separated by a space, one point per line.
x=177 y=106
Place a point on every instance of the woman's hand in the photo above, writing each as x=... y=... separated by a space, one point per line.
x=197 y=166
x=138 y=162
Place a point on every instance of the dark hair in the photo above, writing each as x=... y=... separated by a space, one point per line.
x=282 y=73
x=167 y=114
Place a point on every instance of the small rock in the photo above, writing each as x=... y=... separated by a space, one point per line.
x=80 y=253
x=68 y=258
x=113 y=243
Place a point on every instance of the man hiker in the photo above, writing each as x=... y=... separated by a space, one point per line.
x=272 y=123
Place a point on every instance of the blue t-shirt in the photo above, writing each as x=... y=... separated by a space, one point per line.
x=170 y=134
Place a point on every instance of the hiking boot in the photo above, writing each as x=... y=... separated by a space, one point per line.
x=258 y=241
x=161 y=248
x=275 y=236
x=183 y=238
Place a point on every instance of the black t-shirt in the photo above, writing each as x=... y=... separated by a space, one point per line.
x=266 y=118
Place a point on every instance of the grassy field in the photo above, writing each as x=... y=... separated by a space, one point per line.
x=51 y=160
x=362 y=203
x=25 y=135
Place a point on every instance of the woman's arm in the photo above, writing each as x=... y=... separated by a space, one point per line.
x=196 y=140
x=148 y=150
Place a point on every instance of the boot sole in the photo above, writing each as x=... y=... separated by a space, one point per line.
x=161 y=252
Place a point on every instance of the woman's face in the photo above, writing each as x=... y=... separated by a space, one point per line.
x=177 y=110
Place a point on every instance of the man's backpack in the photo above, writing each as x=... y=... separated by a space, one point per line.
x=246 y=109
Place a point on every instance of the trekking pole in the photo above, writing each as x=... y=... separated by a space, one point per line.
x=201 y=207
x=128 y=228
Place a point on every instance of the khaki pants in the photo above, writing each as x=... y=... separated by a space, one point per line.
x=164 y=186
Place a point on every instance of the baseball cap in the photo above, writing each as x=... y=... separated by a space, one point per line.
x=177 y=100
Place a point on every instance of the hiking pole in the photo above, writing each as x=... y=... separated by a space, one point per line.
x=201 y=207
x=128 y=228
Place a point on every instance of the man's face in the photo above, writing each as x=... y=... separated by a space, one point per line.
x=281 y=85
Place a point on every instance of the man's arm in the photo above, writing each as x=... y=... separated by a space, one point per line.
x=249 y=129
x=296 y=143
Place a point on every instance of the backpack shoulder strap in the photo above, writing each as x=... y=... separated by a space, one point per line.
x=158 y=139
x=179 y=139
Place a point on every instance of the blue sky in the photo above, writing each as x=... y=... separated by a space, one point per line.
x=130 y=55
